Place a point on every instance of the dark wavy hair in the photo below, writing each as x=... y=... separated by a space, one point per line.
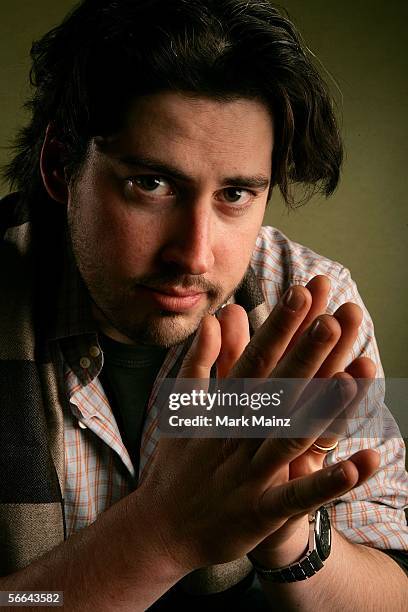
x=86 y=71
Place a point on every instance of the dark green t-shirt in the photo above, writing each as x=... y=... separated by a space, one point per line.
x=127 y=377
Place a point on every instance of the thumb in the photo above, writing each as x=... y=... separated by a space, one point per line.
x=204 y=350
x=301 y=495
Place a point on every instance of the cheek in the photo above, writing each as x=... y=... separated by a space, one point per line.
x=118 y=233
x=132 y=247
x=234 y=252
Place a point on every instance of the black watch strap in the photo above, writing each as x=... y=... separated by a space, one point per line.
x=307 y=567
x=311 y=562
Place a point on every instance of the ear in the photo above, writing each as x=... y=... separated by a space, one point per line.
x=51 y=168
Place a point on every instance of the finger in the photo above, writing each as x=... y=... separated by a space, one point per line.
x=303 y=494
x=198 y=362
x=329 y=439
x=313 y=458
x=204 y=350
x=350 y=317
x=307 y=356
x=362 y=367
x=319 y=287
x=270 y=341
x=367 y=462
x=235 y=336
x=275 y=453
x=362 y=372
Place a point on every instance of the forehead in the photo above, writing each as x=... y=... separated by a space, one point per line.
x=193 y=130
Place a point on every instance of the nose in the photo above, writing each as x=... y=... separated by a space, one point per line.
x=189 y=247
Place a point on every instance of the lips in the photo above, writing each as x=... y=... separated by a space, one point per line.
x=174 y=292
x=173 y=299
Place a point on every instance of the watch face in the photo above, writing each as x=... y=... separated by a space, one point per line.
x=323 y=534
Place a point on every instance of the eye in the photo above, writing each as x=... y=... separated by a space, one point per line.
x=155 y=185
x=236 y=195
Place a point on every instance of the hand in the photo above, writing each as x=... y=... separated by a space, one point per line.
x=235 y=334
x=221 y=498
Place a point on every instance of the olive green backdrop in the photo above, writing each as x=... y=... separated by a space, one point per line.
x=362 y=43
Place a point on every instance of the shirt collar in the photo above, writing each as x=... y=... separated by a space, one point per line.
x=75 y=328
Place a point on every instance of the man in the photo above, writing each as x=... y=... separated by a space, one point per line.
x=158 y=131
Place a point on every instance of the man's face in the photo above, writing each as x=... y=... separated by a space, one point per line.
x=164 y=216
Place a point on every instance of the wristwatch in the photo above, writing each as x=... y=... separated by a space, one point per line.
x=318 y=550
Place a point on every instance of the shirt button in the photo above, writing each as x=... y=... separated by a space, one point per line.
x=84 y=362
x=94 y=351
x=82 y=425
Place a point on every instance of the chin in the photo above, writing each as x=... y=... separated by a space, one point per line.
x=166 y=330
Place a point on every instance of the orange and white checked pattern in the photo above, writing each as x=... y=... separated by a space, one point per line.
x=99 y=470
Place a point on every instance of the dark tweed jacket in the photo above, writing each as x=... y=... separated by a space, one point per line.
x=31 y=391
x=31 y=432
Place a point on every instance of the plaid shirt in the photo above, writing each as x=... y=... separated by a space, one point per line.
x=99 y=470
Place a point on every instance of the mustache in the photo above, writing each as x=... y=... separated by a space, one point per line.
x=182 y=281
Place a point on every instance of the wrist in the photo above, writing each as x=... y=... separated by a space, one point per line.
x=279 y=549
x=311 y=561
x=150 y=536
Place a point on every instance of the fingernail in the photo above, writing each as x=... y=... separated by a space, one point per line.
x=320 y=331
x=334 y=389
x=338 y=474
x=294 y=299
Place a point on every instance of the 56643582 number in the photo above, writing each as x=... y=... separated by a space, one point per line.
x=31 y=598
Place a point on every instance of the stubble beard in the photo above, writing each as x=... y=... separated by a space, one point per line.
x=115 y=303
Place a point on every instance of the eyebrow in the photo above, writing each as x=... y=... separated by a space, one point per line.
x=258 y=181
